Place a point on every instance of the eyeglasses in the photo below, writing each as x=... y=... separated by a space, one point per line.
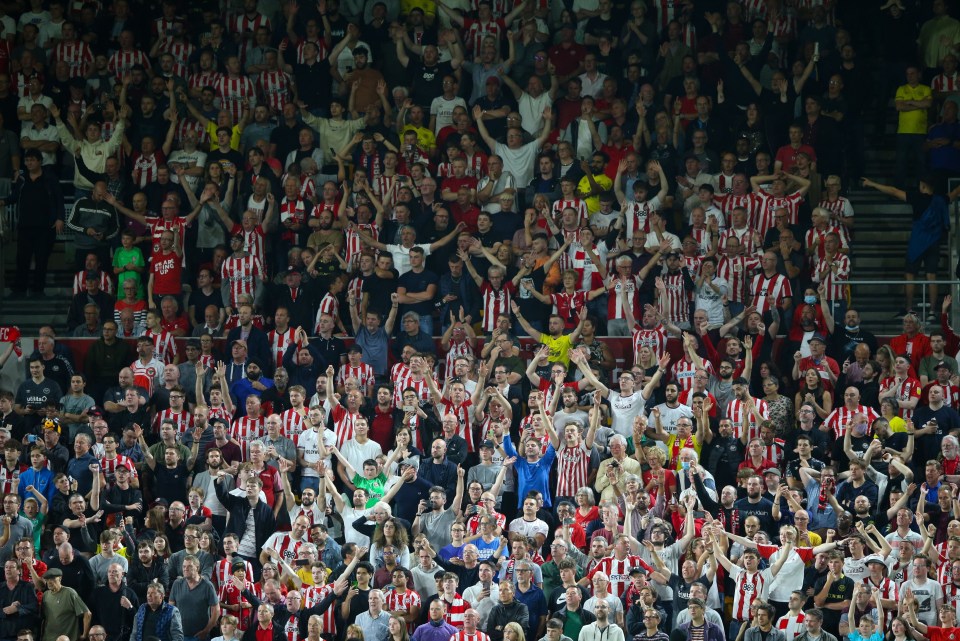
x=650 y=617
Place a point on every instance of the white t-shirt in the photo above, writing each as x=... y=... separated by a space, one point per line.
x=401 y=256
x=356 y=453
x=623 y=409
x=443 y=110
x=309 y=447
x=519 y=162
x=928 y=595
x=531 y=112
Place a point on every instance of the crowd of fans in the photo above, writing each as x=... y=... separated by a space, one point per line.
x=254 y=182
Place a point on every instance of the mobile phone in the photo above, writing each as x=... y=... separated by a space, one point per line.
x=487 y=585
x=408 y=409
x=31 y=438
x=301 y=562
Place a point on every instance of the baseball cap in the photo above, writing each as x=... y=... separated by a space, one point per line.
x=817 y=337
x=772 y=470
x=488 y=444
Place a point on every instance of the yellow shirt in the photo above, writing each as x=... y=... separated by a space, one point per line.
x=673 y=450
x=559 y=348
x=593 y=202
x=425 y=138
x=915 y=121
x=235 y=132
x=429 y=8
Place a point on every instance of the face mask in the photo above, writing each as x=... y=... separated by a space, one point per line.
x=810 y=300
x=860 y=428
x=852 y=328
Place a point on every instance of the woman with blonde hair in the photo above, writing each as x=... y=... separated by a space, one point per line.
x=513 y=632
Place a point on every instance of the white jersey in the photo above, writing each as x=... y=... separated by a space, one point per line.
x=623 y=409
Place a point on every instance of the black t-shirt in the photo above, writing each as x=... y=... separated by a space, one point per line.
x=918 y=202
x=171 y=484
x=415 y=283
x=840 y=591
x=225 y=157
x=201 y=301
x=379 y=289
x=427 y=81
x=530 y=307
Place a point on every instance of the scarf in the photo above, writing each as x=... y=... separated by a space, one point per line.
x=163 y=623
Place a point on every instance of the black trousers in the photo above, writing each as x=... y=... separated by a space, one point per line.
x=36 y=245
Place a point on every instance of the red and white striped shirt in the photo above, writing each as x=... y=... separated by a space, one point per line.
x=888 y=590
x=835 y=281
x=724 y=183
x=353 y=245
x=285 y=545
x=579 y=205
x=343 y=424
x=677 y=305
x=204 y=79
x=182 y=420
x=236 y=95
x=814 y=238
x=242 y=273
x=109 y=466
x=292 y=423
x=77 y=54
x=394 y=601
x=321 y=50
x=737 y=270
x=618 y=571
x=80 y=282
x=122 y=62
x=463 y=636
x=245 y=24
x=655 y=339
x=748 y=586
x=145 y=167
x=457 y=349
x=750 y=243
x=279 y=341
x=769 y=292
x=163 y=345
x=330 y=306
x=7 y=476
x=837 y=419
x=683 y=372
x=245 y=430
x=275 y=88
x=181 y=53
x=769 y=204
x=738 y=415
x=475 y=32
x=407 y=380
x=188 y=125
x=908 y=389
x=667 y=10
x=496 y=302
x=616 y=286
x=774 y=451
x=253 y=241
x=399 y=370
x=222 y=573
x=945 y=84
x=462 y=412
x=728 y=202
x=363 y=373
x=573 y=468
x=636 y=215
x=315 y=594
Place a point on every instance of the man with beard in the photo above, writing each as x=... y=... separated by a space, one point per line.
x=254 y=382
x=754 y=504
x=746 y=412
x=205 y=480
x=671 y=410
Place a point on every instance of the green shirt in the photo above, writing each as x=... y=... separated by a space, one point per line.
x=123 y=257
x=572 y=624
x=374 y=487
